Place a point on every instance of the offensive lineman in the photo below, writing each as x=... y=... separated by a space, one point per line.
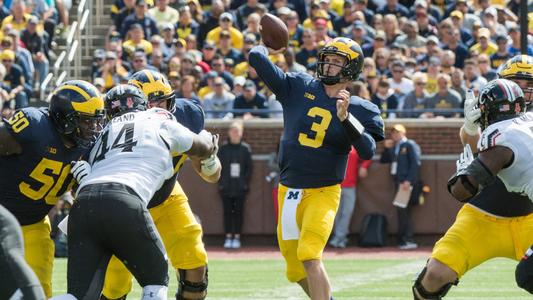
x=494 y=214
x=175 y=222
x=37 y=146
x=321 y=123
x=110 y=216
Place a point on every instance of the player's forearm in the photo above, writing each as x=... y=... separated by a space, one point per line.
x=472 y=140
x=365 y=146
x=272 y=75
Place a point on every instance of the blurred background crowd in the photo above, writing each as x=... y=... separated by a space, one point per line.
x=420 y=56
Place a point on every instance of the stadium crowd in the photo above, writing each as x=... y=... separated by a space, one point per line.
x=420 y=56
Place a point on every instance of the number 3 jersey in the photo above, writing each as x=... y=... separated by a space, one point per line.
x=32 y=181
x=136 y=149
x=517 y=135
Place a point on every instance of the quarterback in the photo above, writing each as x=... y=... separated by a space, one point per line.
x=321 y=123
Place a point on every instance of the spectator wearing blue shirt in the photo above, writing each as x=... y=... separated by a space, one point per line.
x=394 y=8
x=140 y=17
x=250 y=99
x=14 y=79
x=514 y=48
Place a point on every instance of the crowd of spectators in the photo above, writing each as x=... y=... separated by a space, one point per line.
x=421 y=56
x=26 y=39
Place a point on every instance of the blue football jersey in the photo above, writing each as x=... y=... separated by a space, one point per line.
x=190 y=114
x=32 y=181
x=314 y=147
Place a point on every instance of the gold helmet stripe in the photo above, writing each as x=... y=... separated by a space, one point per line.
x=88 y=107
x=149 y=76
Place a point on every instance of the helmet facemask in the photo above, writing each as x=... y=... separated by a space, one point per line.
x=83 y=129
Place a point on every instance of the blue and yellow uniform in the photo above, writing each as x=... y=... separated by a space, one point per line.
x=32 y=181
x=313 y=154
x=172 y=215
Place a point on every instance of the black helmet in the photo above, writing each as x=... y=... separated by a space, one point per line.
x=77 y=111
x=124 y=98
x=350 y=51
x=500 y=99
x=155 y=87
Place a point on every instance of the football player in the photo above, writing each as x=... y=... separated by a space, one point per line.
x=179 y=229
x=18 y=280
x=321 y=123
x=110 y=216
x=486 y=218
x=37 y=146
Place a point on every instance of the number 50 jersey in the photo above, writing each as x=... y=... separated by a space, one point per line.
x=136 y=149
x=32 y=181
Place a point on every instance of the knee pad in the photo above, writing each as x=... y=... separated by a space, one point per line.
x=154 y=292
x=420 y=293
x=524 y=272
x=191 y=287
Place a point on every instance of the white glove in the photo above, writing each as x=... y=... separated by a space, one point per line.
x=209 y=166
x=465 y=159
x=80 y=169
x=472 y=114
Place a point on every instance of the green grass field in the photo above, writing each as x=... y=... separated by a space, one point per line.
x=351 y=279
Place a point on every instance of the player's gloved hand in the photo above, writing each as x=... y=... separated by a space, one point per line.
x=80 y=169
x=209 y=166
x=472 y=114
x=465 y=159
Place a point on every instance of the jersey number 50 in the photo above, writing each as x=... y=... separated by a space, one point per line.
x=319 y=128
x=50 y=187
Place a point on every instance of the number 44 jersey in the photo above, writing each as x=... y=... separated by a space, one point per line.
x=136 y=149
x=32 y=181
x=517 y=135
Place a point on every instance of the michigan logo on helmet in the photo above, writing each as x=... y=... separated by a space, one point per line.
x=77 y=111
x=124 y=98
x=353 y=58
x=155 y=87
x=520 y=70
x=500 y=99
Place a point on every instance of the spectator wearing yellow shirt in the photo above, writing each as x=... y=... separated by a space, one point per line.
x=210 y=79
x=484 y=45
x=112 y=71
x=162 y=13
x=432 y=73
x=317 y=13
x=226 y=24
x=186 y=25
x=18 y=18
x=137 y=41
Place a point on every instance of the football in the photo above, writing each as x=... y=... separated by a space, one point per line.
x=274 y=32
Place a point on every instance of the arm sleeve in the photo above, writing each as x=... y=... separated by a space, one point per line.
x=248 y=165
x=413 y=152
x=365 y=146
x=369 y=116
x=274 y=77
x=386 y=156
x=177 y=137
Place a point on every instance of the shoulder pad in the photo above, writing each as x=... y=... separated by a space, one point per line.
x=190 y=114
x=491 y=136
x=161 y=112
x=28 y=123
x=358 y=101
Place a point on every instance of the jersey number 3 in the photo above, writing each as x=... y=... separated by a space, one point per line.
x=318 y=128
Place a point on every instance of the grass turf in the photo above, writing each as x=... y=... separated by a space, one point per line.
x=351 y=279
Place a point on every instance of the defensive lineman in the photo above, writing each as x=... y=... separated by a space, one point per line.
x=110 y=216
